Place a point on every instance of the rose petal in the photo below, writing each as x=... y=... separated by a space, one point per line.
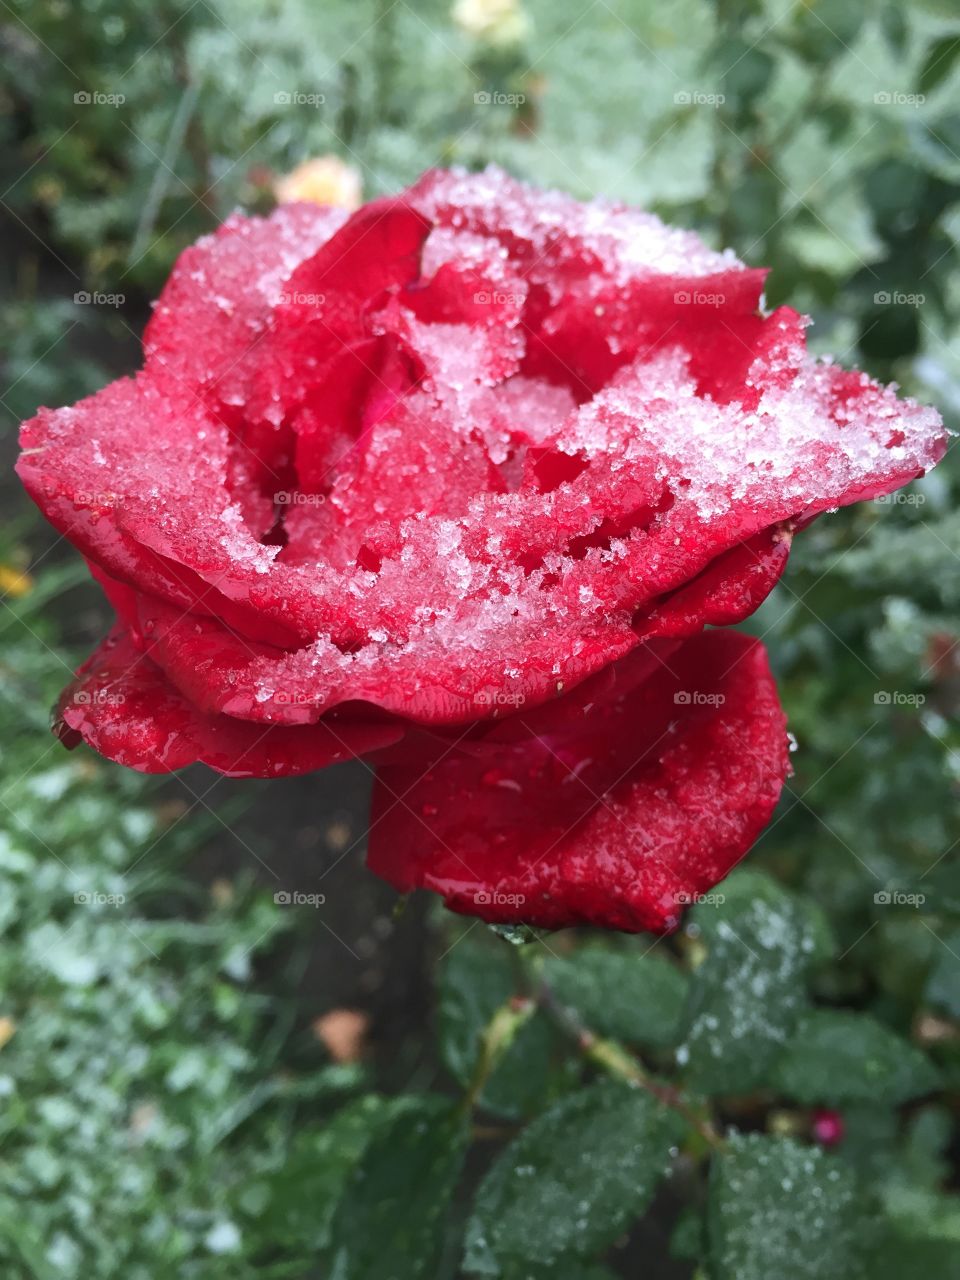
x=728 y=590
x=642 y=802
x=324 y=303
x=123 y=706
x=214 y=307
x=364 y=383
x=605 y=282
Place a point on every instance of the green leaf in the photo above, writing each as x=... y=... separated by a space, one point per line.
x=305 y=1194
x=939 y=63
x=632 y=997
x=572 y=1180
x=395 y=1201
x=780 y=1209
x=836 y=1056
x=749 y=991
x=744 y=892
x=476 y=981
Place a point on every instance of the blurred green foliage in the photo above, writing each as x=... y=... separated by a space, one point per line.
x=153 y=1098
x=160 y=1112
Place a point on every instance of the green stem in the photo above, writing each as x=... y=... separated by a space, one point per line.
x=619 y=1062
x=495 y=1041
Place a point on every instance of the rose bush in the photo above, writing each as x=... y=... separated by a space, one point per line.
x=456 y=483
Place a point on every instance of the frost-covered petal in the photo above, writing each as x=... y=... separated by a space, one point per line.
x=221 y=293
x=122 y=705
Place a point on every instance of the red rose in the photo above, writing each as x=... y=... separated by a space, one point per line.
x=458 y=481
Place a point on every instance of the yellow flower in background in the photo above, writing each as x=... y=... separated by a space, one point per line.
x=14 y=582
x=323 y=180
x=8 y=1030
x=498 y=22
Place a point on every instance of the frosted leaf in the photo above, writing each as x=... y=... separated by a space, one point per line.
x=572 y=1180
x=747 y=997
x=778 y=1208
